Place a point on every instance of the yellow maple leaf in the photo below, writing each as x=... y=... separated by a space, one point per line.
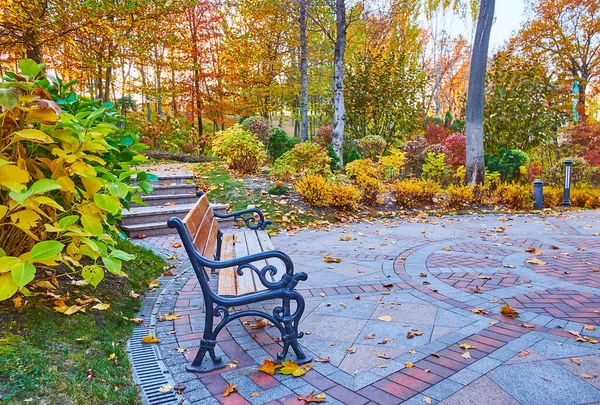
x=153 y=284
x=290 y=367
x=101 y=307
x=332 y=259
x=149 y=338
x=466 y=346
x=537 y=261
x=509 y=312
x=269 y=366
x=229 y=389
x=385 y=318
x=171 y=316
x=408 y=364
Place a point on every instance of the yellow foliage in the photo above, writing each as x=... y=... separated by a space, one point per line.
x=459 y=196
x=242 y=151
x=393 y=163
x=413 y=193
x=344 y=196
x=553 y=196
x=314 y=190
x=304 y=158
x=366 y=175
x=515 y=196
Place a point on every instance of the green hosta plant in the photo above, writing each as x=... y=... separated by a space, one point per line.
x=64 y=180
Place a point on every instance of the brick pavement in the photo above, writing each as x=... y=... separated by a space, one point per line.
x=422 y=274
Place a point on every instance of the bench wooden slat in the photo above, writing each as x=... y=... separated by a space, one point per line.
x=193 y=218
x=267 y=244
x=203 y=232
x=211 y=242
x=227 y=282
x=244 y=283
x=254 y=247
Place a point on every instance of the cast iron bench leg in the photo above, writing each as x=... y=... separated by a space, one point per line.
x=207 y=345
x=290 y=339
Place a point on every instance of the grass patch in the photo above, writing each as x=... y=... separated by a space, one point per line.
x=45 y=356
x=220 y=186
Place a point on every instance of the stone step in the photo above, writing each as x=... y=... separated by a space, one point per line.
x=178 y=178
x=156 y=200
x=147 y=215
x=174 y=189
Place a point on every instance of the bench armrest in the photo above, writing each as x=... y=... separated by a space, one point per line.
x=250 y=221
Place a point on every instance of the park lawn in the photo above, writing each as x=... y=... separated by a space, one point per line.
x=45 y=356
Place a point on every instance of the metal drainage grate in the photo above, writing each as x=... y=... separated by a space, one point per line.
x=148 y=372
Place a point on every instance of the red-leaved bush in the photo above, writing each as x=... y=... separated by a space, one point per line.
x=456 y=146
x=585 y=140
x=436 y=133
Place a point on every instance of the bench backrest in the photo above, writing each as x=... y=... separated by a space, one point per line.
x=203 y=228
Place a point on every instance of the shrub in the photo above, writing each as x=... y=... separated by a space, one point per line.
x=279 y=189
x=534 y=170
x=581 y=197
x=323 y=135
x=258 y=126
x=344 y=196
x=515 y=196
x=415 y=152
x=242 y=151
x=508 y=163
x=456 y=146
x=553 y=196
x=188 y=148
x=334 y=163
x=314 y=190
x=279 y=143
x=352 y=156
x=413 y=193
x=459 y=196
x=366 y=174
x=393 y=163
x=63 y=181
x=371 y=146
x=304 y=158
x=147 y=141
x=435 y=167
x=435 y=134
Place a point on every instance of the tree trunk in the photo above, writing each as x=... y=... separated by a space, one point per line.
x=581 y=101
x=476 y=95
x=34 y=49
x=303 y=72
x=339 y=110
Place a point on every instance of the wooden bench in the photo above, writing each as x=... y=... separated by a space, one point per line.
x=249 y=270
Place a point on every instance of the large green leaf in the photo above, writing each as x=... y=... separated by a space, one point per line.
x=118 y=189
x=119 y=254
x=68 y=221
x=43 y=186
x=93 y=274
x=92 y=224
x=45 y=250
x=7 y=286
x=7 y=263
x=29 y=68
x=108 y=203
x=8 y=99
x=113 y=265
x=23 y=273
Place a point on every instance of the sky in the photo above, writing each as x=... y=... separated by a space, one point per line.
x=509 y=16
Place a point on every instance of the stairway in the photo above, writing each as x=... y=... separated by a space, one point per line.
x=174 y=195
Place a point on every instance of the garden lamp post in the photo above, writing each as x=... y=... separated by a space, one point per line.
x=567 y=192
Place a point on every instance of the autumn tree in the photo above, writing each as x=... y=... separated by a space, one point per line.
x=476 y=95
x=566 y=33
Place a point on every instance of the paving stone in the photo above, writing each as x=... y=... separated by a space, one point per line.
x=408 y=313
x=361 y=309
x=443 y=389
x=481 y=390
x=589 y=364
x=552 y=350
x=527 y=384
x=334 y=328
x=465 y=376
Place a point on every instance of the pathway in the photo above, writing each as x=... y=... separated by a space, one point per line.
x=425 y=277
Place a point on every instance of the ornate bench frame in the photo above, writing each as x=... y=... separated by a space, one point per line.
x=218 y=306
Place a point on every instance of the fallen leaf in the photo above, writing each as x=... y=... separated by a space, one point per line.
x=310 y=398
x=383 y=356
x=525 y=352
x=323 y=360
x=422 y=274
x=588 y=327
x=229 y=389
x=434 y=354
x=447 y=249
x=537 y=261
x=323 y=294
x=546 y=379
x=345 y=238
x=332 y=259
x=269 y=366
x=149 y=338
x=140 y=236
x=351 y=350
x=466 y=346
x=498 y=230
x=254 y=394
x=480 y=311
x=165 y=388
x=484 y=277
x=412 y=351
x=370 y=336
x=153 y=284
x=101 y=307
x=575 y=360
x=588 y=375
x=290 y=367
x=176 y=245
x=138 y=321
x=171 y=316
x=181 y=349
x=384 y=341
x=418 y=332
x=535 y=251
x=408 y=364
x=132 y=294
x=410 y=335
x=466 y=355
x=509 y=312
x=385 y=318
x=427 y=400
x=528 y=325
x=477 y=290
x=233 y=364
x=260 y=324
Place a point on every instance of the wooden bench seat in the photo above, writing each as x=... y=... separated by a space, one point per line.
x=249 y=270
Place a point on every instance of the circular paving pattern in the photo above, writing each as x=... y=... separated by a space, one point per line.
x=443 y=277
